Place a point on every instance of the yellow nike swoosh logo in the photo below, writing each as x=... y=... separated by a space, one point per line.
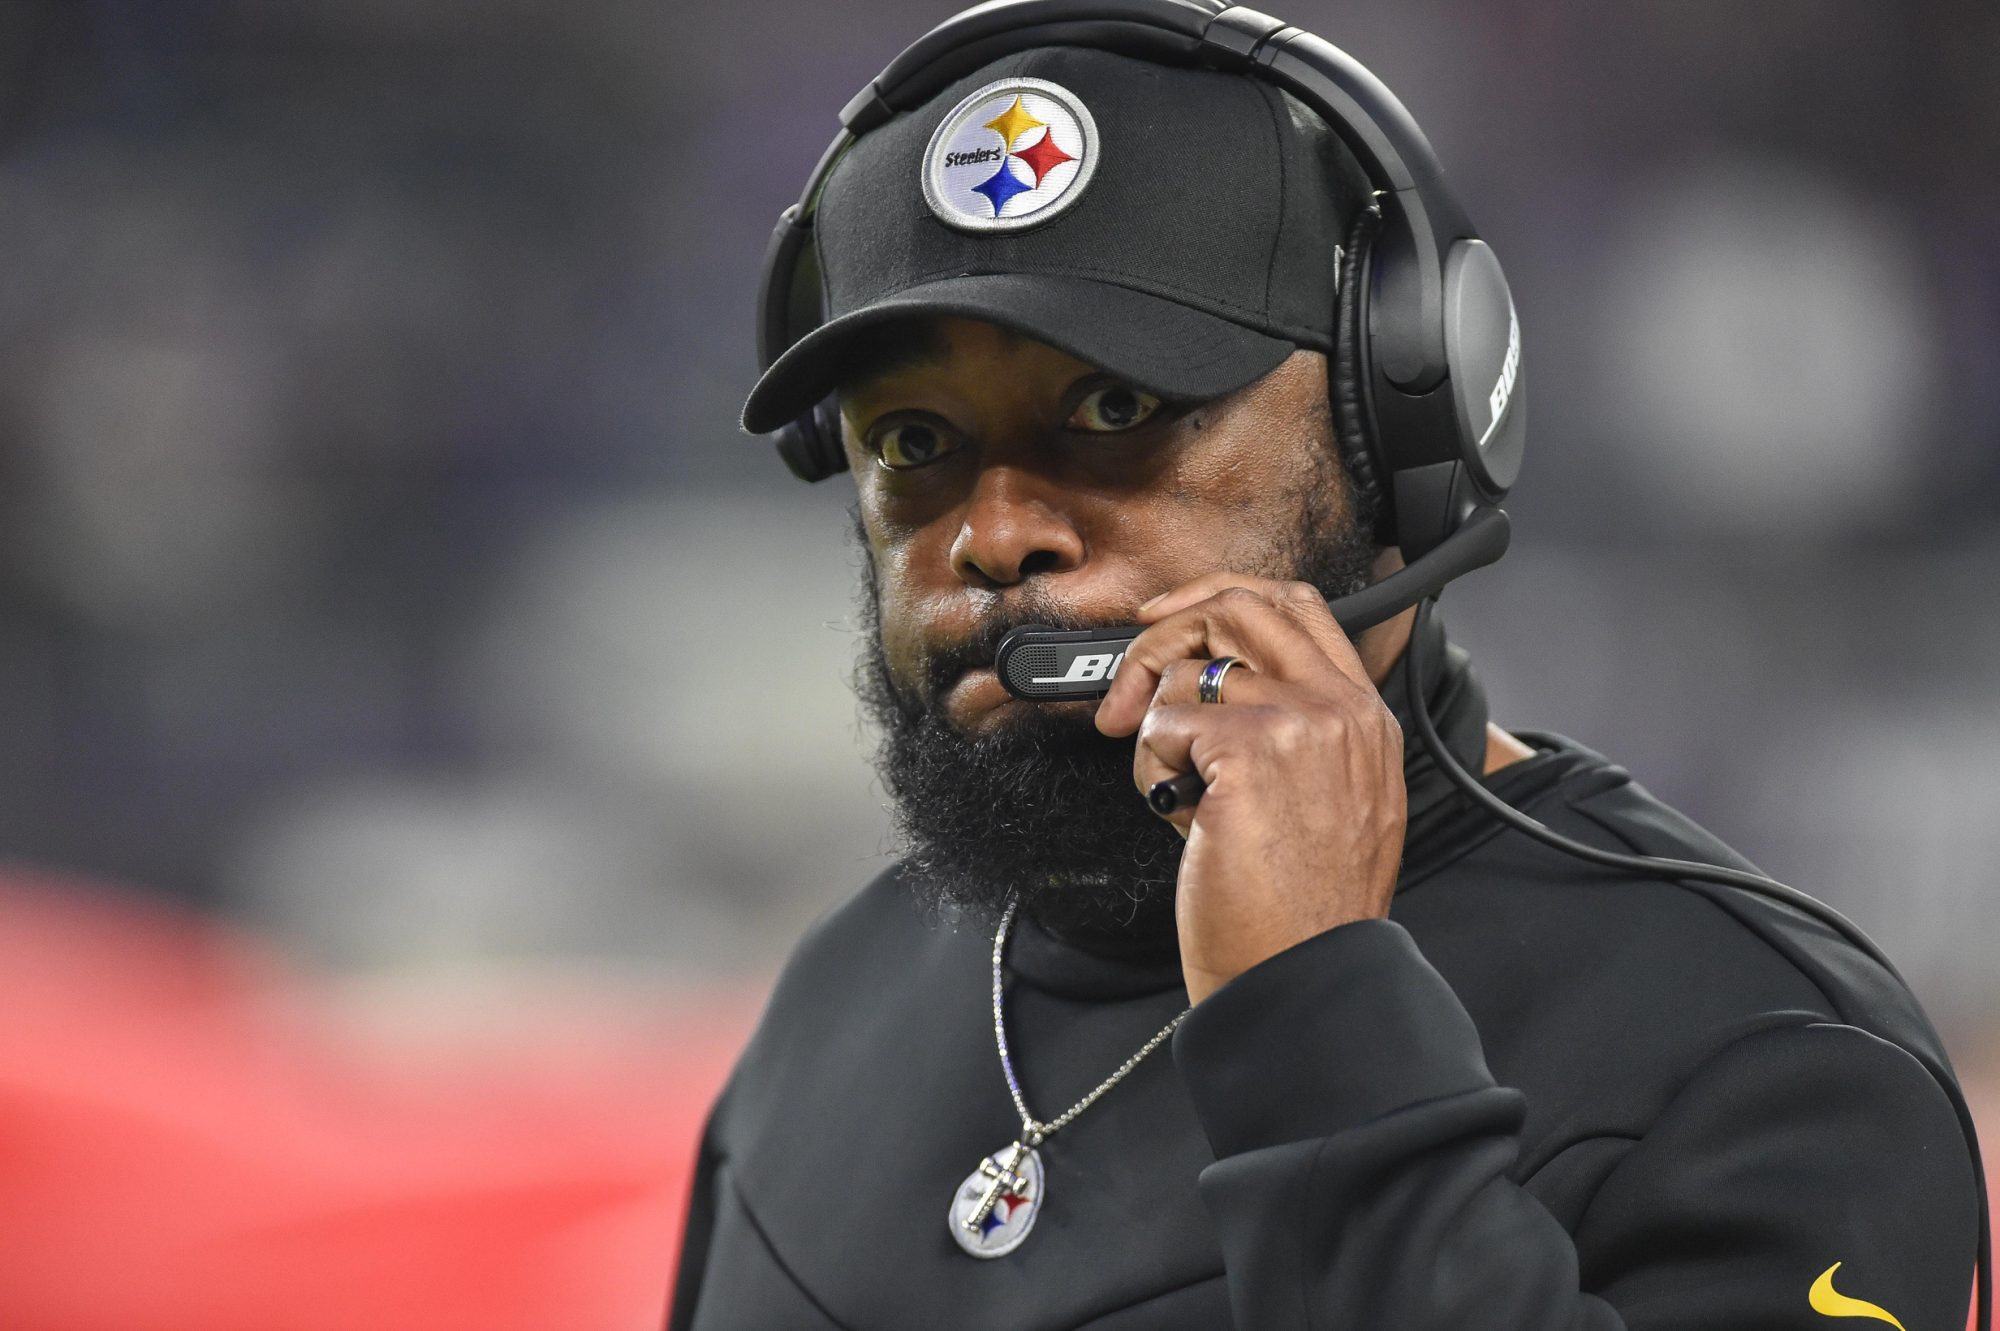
x=1830 y=1302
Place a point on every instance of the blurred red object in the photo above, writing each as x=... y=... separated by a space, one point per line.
x=196 y=1135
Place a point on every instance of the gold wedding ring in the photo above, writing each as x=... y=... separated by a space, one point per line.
x=1209 y=689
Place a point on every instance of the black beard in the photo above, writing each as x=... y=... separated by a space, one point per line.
x=1044 y=809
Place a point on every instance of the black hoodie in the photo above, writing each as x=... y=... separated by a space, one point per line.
x=1540 y=1096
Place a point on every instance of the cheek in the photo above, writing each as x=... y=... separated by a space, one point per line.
x=905 y=552
x=899 y=514
x=903 y=589
x=1259 y=454
x=1229 y=500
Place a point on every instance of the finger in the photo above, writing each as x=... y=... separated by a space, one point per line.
x=1165 y=745
x=1180 y=738
x=1301 y=601
x=1234 y=622
x=1180 y=682
x=1307 y=608
x=1274 y=745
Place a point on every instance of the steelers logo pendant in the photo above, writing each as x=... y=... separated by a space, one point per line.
x=993 y=1210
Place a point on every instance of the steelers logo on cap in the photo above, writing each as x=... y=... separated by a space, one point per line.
x=1012 y=155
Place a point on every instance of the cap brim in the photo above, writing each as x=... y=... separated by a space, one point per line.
x=1153 y=343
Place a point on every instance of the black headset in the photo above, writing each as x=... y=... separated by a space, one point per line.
x=1425 y=378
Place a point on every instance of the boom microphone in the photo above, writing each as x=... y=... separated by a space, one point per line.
x=1057 y=665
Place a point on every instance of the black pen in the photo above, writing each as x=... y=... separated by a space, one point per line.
x=1176 y=793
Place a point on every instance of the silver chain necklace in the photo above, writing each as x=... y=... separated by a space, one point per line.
x=996 y=1206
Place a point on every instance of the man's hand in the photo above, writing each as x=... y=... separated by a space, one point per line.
x=1301 y=827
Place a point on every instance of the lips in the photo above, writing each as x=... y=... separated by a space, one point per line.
x=948 y=667
x=970 y=667
x=977 y=694
x=972 y=677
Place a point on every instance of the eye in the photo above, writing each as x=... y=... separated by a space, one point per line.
x=1113 y=408
x=903 y=445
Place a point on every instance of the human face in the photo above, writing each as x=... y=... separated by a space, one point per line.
x=1003 y=481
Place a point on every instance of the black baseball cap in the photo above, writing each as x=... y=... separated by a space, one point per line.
x=1177 y=227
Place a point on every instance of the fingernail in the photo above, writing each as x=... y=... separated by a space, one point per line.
x=1148 y=605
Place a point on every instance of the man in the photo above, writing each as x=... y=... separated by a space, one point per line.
x=1424 y=1072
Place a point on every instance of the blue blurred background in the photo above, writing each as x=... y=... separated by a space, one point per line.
x=369 y=476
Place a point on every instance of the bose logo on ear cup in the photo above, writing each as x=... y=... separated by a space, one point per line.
x=1503 y=388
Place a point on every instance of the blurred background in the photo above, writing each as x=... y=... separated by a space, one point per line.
x=388 y=893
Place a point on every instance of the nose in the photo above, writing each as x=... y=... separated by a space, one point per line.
x=1014 y=527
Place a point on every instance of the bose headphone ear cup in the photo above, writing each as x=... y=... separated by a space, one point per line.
x=811 y=444
x=1347 y=379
